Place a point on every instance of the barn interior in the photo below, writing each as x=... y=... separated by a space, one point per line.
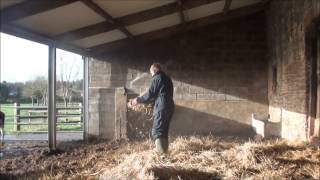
x=247 y=69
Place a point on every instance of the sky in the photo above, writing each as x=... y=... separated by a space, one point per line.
x=23 y=60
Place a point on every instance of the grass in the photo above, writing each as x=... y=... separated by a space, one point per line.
x=8 y=109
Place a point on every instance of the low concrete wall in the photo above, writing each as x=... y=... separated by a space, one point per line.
x=263 y=127
x=107 y=113
x=102 y=113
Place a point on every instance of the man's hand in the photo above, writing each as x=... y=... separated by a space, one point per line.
x=134 y=102
x=130 y=103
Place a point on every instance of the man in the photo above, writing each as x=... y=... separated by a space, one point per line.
x=161 y=90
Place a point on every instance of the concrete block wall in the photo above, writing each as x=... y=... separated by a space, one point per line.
x=102 y=113
x=288 y=24
x=219 y=74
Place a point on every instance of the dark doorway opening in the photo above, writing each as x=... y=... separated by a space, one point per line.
x=313 y=46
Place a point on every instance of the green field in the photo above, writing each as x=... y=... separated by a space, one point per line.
x=8 y=109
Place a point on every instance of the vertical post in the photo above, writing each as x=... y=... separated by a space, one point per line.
x=313 y=43
x=52 y=98
x=81 y=114
x=317 y=122
x=85 y=114
x=120 y=113
x=29 y=113
x=16 y=116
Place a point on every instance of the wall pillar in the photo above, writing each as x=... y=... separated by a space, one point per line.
x=107 y=113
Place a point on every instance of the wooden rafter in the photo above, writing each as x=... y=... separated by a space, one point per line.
x=30 y=8
x=180 y=10
x=131 y=19
x=227 y=6
x=216 y=18
x=107 y=16
x=86 y=31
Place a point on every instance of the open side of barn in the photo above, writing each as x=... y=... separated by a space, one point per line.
x=240 y=67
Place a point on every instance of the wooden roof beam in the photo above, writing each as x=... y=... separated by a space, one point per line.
x=180 y=10
x=131 y=19
x=227 y=6
x=40 y=38
x=92 y=5
x=29 y=8
x=99 y=50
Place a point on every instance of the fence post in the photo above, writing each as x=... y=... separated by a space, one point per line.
x=29 y=119
x=81 y=114
x=16 y=116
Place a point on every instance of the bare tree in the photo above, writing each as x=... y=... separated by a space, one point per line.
x=68 y=72
x=28 y=90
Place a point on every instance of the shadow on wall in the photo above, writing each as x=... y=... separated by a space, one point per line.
x=186 y=121
x=225 y=62
x=220 y=72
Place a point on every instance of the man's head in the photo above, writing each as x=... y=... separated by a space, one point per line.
x=155 y=67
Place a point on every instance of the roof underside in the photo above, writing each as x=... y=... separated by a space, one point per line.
x=96 y=25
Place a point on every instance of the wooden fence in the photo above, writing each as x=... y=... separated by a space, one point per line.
x=40 y=112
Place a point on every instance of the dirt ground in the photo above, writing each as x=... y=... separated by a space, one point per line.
x=189 y=158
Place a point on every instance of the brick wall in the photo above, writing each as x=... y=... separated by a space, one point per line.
x=219 y=74
x=288 y=23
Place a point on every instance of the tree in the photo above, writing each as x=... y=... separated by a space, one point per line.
x=28 y=91
x=10 y=92
x=4 y=91
x=41 y=89
x=36 y=89
x=68 y=72
x=17 y=89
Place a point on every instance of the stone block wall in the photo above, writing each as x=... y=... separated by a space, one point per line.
x=102 y=113
x=219 y=74
x=288 y=24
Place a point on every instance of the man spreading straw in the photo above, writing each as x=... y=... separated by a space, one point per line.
x=160 y=91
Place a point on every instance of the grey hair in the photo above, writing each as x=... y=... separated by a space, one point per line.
x=156 y=66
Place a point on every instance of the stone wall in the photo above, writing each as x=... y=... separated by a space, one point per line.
x=219 y=74
x=288 y=24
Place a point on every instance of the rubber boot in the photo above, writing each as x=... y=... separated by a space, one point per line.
x=162 y=145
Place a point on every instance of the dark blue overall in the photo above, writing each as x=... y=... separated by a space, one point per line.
x=161 y=90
